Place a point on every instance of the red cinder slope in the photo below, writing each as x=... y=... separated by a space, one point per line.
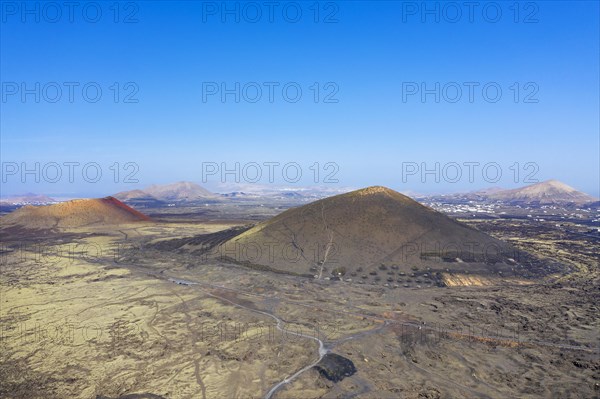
x=76 y=213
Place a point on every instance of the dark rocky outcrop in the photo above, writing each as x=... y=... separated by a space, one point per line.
x=335 y=367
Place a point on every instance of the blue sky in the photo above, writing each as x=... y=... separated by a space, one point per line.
x=365 y=59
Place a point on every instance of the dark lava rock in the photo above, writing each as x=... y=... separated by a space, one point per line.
x=134 y=396
x=335 y=367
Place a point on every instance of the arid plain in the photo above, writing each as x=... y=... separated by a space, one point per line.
x=168 y=307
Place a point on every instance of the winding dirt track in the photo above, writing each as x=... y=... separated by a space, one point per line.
x=322 y=350
x=326 y=348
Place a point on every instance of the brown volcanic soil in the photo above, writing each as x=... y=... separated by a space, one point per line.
x=369 y=232
x=104 y=326
x=71 y=214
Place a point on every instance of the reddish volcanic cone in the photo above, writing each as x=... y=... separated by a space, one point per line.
x=76 y=213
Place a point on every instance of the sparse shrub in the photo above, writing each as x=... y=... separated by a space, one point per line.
x=382 y=267
x=373 y=273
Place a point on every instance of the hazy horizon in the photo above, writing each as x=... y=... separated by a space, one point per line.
x=264 y=189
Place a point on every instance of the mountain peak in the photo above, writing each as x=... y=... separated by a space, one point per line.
x=557 y=184
x=375 y=190
x=546 y=192
x=354 y=231
x=179 y=191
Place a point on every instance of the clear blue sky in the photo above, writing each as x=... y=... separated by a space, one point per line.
x=371 y=53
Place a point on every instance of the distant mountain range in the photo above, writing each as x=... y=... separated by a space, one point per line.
x=544 y=193
x=28 y=198
x=276 y=190
x=159 y=194
x=489 y=191
x=188 y=193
